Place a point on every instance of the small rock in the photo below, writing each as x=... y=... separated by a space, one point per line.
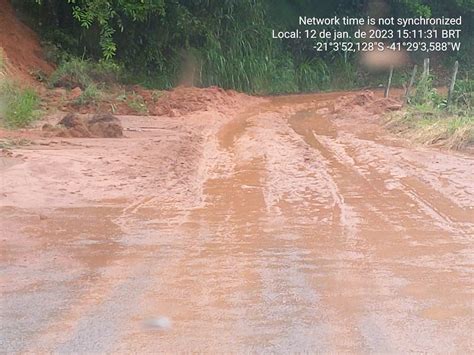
x=160 y=323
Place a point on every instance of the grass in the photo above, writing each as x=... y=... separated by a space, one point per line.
x=434 y=127
x=241 y=64
x=91 y=95
x=137 y=103
x=156 y=94
x=429 y=121
x=77 y=72
x=93 y=78
x=18 y=106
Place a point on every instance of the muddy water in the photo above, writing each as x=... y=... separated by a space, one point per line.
x=306 y=237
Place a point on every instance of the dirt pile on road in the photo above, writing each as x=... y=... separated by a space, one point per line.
x=20 y=46
x=365 y=102
x=136 y=100
x=96 y=126
x=184 y=100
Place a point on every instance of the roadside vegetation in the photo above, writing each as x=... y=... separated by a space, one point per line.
x=163 y=43
x=429 y=120
x=75 y=72
x=19 y=106
x=97 y=83
x=92 y=78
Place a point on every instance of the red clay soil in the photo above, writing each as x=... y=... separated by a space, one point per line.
x=96 y=126
x=184 y=100
x=273 y=225
x=180 y=101
x=21 y=46
x=367 y=102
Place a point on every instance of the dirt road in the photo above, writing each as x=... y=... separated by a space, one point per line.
x=275 y=226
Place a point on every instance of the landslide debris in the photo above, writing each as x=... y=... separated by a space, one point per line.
x=184 y=100
x=95 y=126
x=367 y=102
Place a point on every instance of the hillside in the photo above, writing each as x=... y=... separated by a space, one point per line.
x=21 y=46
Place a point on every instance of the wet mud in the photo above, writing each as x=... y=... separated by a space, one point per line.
x=278 y=226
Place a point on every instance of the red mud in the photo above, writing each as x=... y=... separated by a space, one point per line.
x=96 y=126
x=185 y=100
x=177 y=102
x=366 y=101
x=286 y=224
x=264 y=225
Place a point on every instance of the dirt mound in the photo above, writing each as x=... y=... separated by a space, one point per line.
x=366 y=101
x=105 y=125
x=184 y=100
x=21 y=46
x=98 y=126
x=384 y=105
x=360 y=99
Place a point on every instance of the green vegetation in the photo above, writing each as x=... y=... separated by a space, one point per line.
x=18 y=106
x=161 y=43
x=91 y=95
x=76 y=72
x=93 y=78
x=137 y=103
x=435 y=127
x=428 y=119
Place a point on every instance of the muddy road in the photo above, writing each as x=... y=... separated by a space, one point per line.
x=272 y=226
